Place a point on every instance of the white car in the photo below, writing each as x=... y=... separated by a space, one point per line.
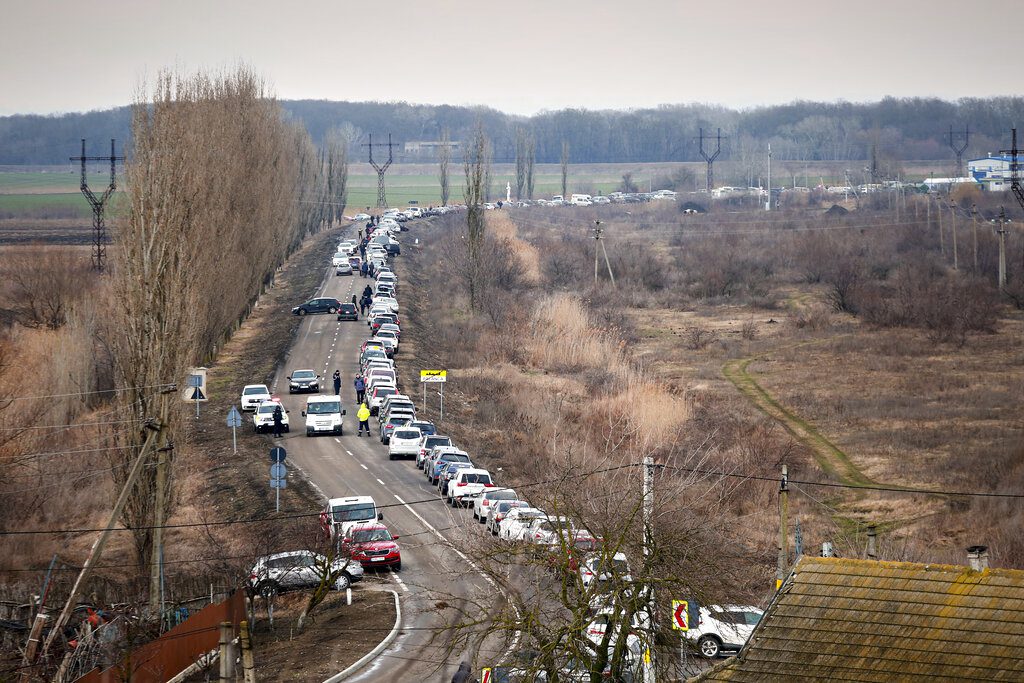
x=339 y=258
x=263 y=418
x=383 y=335
x=720 y=628
x=483 y=502
x=323 y=415
x=497 y=510
x=467 y=485
x=550 y=531
x=517 y=521
x=253 y=395
x=388 y=301
x=427 y=443
x=404 y=442
x=297 y=569
x=603 y=570
x=361 y=217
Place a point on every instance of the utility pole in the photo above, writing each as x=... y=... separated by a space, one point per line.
x=780 y=574
x=942 y=235
x=97 y=547
x=648 y=509
x=768 y=206
x=99 y=231
x=382 y=200
x=952 y=211
x=598 y=240
x=157 y=559
x=1013 y=152
x=709 y=157
x=974 y=234
x=1001 y=231
x=958 y=149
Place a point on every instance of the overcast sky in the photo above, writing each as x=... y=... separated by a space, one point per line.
x=519 y=56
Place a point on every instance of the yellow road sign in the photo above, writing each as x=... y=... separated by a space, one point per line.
x=433 y=376
x=680 y=615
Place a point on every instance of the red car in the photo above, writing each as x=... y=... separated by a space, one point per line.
x=372 y=545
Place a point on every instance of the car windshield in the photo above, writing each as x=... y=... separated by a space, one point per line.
x=555 y=524
x=407 y=434
x=303 y=374
x=353 y=512
x=455 y=457
x=437 y=441
x=502 y=495
x=348 y=307
x=267 y=409
x=504 y=506
x=398 y=421
x=370 y=535
x=340 y=254
x=249 y=391
x=386 y=391
x=476 y=478
x=323 y=408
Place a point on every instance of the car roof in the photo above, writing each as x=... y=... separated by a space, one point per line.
x=304 y=370
x=478 y=470
x=351 y=499
x=322 y=398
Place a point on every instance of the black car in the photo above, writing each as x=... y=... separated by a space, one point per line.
x=303 y=381
x=320 y=305
x=348 y=312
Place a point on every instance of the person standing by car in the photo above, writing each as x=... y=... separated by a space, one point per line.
x=362 y=306
x=371 y=269
x=278 y=421
x=363 y=415
x=360 y=389
x=337 y=383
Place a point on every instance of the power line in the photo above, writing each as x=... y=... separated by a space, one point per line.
x=89 y=393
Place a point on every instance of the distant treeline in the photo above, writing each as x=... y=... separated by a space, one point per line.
x=891 y=129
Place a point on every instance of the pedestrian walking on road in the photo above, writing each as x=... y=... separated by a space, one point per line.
x=337 y=383
x=278 y=421
x=353 y=299
x=363 y=269
x=363 y=415
x=360 y=389
x=372 y=269
x=362 y=306
x=367 y=292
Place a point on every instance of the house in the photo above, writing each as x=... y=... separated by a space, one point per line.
x=842 y=619
x=993 y=172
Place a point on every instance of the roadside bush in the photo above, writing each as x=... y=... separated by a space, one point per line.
x=44 y=283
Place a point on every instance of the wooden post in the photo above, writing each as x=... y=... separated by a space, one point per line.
x=248 y=666
x=227 y=661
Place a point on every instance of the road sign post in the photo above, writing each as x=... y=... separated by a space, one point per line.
x=195 y=388
x=434 y=377
x=278 y=474
x=234 y=421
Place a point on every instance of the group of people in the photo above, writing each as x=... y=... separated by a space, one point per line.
x=366 y=301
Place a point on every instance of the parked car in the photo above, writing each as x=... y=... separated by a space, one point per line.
x=263 y=417
x=484 y=501
x=377 y=396
x=303 y=381
x=605 y=570
x=390 y=425
x=344 y=268
x=720 y=628
x=253 y=395
x=444 y=454
x=426 y=428
x=341 y=514
x=467 y=485
x=446 y=473
x=517 y=522
x=427 y=442
x=298 y=569
x=372 y=545
x=341 y=257
x=318 y=305
x=496 y=513
x=404 y=442
x=323 y=415
x=549 y=531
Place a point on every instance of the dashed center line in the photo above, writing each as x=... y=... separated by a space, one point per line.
x=381 y=483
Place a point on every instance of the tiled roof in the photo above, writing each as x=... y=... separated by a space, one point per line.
x=861 y=620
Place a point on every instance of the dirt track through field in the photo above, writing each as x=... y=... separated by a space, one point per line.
x=829 y=457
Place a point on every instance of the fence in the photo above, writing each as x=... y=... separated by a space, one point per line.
x=175 y=650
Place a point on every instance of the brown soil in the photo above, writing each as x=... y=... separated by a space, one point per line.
x=337 y=636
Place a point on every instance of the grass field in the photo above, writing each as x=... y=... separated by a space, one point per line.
x=40 y=205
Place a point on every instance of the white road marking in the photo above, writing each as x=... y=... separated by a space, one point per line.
x=349 y=452
x=381 y=483
x=338 y=440
x=399 y=581
x=364 y=466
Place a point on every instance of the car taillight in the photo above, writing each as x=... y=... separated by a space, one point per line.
x=488 y=486
x=537 y=535
x=461 y=483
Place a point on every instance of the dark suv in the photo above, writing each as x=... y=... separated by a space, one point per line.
x=348 y=312
x=320 y=305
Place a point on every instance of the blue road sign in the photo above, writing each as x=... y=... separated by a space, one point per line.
x=234 y=417
x=278 y=470
x=278 y=483
x=278 y=454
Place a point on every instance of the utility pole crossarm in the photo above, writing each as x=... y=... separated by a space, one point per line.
x=99 y=247
x=382 y=200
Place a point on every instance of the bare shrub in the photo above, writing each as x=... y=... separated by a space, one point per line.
x=813 y=318
x=699 y=337
x=749 y=330
x=844 y=281
x=43 y=283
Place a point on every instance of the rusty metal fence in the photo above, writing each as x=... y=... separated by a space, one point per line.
x=175 y=650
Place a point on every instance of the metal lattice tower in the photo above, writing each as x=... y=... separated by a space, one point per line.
x=710 y=158
x=958 y=149
x=1013 y=152
x=99 y=243
x=382 y=199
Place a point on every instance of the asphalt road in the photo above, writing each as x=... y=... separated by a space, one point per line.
x=432 y=570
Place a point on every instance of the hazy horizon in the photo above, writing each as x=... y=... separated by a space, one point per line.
x=522 y=59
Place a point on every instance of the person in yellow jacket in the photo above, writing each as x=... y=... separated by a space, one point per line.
x=363 y=415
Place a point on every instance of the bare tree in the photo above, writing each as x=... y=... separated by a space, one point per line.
x=44 y=283
x=444 y=157
x=522 y=152
x=565 y=168
x=336 y=173
x=476 y=163
x=531 y=157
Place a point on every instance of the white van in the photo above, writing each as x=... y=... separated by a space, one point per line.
x=581 y=200
x=323 y=415
x=341 y=514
